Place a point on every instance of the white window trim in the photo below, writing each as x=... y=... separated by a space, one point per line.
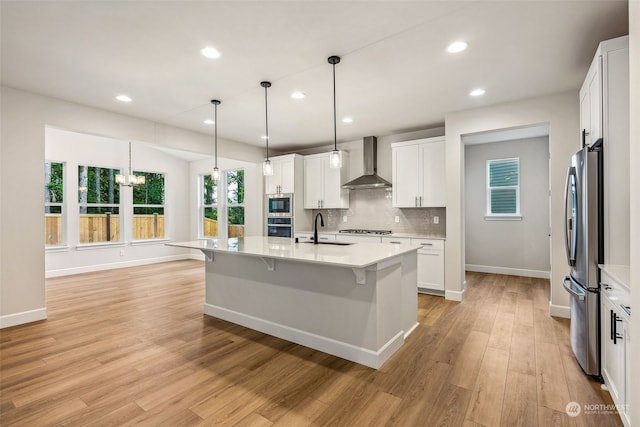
x=164 y=210
x=118 y=205
x=63 y=211
x=202 y=205
x=502 y=216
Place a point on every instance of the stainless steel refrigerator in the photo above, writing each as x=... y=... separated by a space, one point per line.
x=584 y=244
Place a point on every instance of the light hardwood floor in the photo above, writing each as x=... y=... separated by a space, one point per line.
x=132 y=346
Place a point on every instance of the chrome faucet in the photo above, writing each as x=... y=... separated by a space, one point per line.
x=315 y=227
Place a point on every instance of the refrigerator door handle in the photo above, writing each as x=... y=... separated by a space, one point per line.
x=570 y=232
x=577 y=294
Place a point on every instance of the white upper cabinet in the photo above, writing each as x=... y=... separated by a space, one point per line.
x=418 y=173
x=283 y=178
x=323 y=185
x=591 y=103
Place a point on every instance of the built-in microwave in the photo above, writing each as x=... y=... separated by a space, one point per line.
x=279 y=205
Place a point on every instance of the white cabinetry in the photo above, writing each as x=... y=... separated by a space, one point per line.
x=604 y=113
x=418 y=173
x=284 y=171
x=323 y=185
x=357 y=239
x=591 y=103
x=430 y=262
x=308 y=237
x=616 y=344
x=430 y=265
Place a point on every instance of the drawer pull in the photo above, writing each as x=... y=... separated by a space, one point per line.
x=395 y=243
x=426 y=244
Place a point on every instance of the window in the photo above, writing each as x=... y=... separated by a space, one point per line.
x=99 y=204
x=503 y=187
x=53 y=203
x=235 y=202
x=209 y=207
x=148 y=207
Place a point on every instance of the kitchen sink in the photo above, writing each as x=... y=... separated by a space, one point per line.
x=332 y=243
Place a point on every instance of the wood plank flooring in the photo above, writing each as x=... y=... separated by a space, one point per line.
x=132 y=346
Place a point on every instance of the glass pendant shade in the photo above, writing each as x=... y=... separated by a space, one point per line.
x=267 y=168
x=335 y=159
x=215 y=175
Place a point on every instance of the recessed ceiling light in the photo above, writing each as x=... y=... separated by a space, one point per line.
x=456 y=47
x=210 y=52
x=208 y=122
x=298 y=95
x=124 y=98
x=477 y=92
x=347 y=120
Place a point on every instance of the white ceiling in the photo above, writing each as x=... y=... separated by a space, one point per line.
x=395 y=75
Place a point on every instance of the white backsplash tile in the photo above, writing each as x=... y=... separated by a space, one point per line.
x=372 y=210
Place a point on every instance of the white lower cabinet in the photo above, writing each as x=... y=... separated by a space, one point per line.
x=430 y=262
x=308 y=237
x=350 y=238
x=616 y=345
x=430 y=265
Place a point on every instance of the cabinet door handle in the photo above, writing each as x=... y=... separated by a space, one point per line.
x=605 y=286
x=416 y=202
x=616 y=319
x=420 y=201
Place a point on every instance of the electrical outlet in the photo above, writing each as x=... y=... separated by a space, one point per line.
x=344 y=218
x=122 y=252
x=436 y=219
x=397 y=218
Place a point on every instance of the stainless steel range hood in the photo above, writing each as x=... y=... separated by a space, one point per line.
x=370 y=178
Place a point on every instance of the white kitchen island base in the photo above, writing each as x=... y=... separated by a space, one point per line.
x=317 y=303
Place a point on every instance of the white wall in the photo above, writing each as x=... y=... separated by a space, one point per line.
x=24 y=117
x=560 y=111
x=634 y=179
x=508 y=246
x=76 y=149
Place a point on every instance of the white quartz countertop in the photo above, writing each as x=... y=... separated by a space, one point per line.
x=407 y=235
x=619 y=273
x=357 y=255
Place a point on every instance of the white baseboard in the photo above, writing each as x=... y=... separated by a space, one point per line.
x=363 y=356
x=540 y=274
x=454 y=295
x=559 y=310
x=100 y=267
x=16 y=319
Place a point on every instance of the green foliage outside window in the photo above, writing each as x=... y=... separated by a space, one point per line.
x=98 y=185
x=53 y=182
x=235 y=196
x=150 y=193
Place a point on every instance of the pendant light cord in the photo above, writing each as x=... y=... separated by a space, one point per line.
x=266 y=117
x=130 y=172
x=335 y=132
x=215 y=130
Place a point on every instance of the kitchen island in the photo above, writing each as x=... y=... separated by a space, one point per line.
x=355 y=301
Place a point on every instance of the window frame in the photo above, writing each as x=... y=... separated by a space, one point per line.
x=119 y=205
x=228 y=205
x=135 y=205
x=489 y=189
x=62 y=205
x=203 y=205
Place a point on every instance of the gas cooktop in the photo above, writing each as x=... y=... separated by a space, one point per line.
x=361 y=231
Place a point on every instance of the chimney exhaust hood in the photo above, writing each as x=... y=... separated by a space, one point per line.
x=370 y=178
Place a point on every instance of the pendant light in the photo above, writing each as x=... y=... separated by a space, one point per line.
x=131 y=179
x=267 y=167
x=215 y=175
x=335 y=158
